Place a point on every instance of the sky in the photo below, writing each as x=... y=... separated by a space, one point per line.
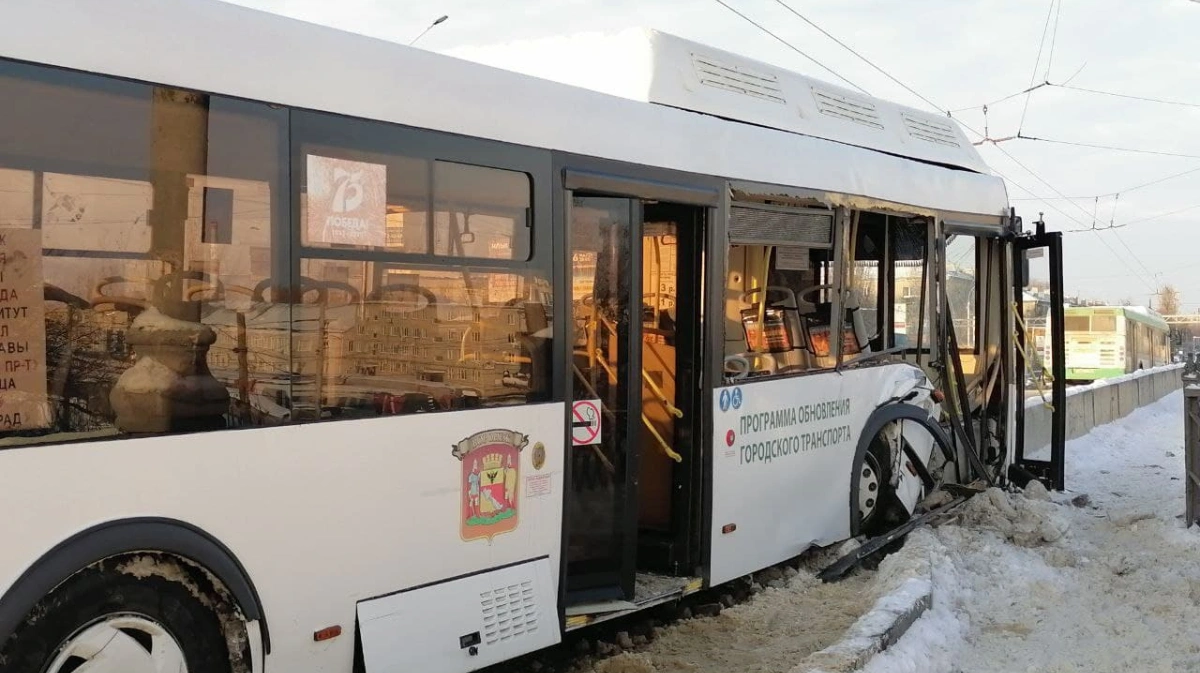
x=960 y=55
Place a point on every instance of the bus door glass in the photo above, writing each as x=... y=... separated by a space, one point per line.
x=605 y=328
x=632 y=503
x=1040 y=359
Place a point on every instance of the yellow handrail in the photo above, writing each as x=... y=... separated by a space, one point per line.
x=1025 y=356
x=662 y=397
x=662 y=443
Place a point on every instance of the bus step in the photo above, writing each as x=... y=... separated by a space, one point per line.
x=649 y=590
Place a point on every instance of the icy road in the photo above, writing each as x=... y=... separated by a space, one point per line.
x=1022 y=584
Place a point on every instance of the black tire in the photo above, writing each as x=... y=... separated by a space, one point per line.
x=92 y=595
x=888 y=512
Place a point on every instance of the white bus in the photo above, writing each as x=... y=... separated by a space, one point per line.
x=319 y=352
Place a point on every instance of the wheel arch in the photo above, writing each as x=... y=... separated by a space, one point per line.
x=874 y=425
x=126 y=536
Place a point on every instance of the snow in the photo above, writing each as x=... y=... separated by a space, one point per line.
x=1036 y=400
x=1022 y=584
x=779 y=627
x=903 y=581
x=796 y=623
x=1112 y=381
x=1020 y=581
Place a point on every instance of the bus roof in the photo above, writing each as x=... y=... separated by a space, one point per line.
x=654 y=67
x=1141 y=314
x=232 y=50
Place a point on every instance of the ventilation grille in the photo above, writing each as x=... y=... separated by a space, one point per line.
x=508 y=612
x=930 y=130
x=769 y=226
x=841 y=106
x=738 y=79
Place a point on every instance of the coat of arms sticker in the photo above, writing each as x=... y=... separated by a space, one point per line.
x=491 y=465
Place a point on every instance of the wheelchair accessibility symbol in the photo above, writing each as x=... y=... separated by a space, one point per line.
x=730 y=398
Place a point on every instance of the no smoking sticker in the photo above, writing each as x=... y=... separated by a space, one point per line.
x=585 y=423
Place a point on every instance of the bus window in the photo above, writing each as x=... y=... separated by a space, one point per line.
x=383 y=339
x=1100 y=323
x=777 y=310
x=1077 y=323
x=867 y=284
x=412 y=299
x=146 y=218
x=908 y=250
x=480 y=212
x=962 y=290
x=376 y=201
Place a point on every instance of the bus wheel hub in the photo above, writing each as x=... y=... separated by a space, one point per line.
x=868 y=487
x=126 y=643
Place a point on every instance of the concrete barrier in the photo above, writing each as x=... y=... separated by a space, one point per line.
x=1099 y=403
x=1104 y=405
x=1127 y=399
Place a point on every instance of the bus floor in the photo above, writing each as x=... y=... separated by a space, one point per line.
x=649 y=590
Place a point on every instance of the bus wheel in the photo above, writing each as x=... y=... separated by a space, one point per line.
x=877 y=502
x=115 y=622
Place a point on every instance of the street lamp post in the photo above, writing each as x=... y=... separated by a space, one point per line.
x=428 y=28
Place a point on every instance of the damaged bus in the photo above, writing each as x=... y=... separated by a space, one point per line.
x=323 y=353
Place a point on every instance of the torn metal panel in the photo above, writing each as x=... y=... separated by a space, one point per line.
x=748 y=192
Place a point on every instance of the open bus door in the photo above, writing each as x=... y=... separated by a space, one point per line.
x=635 y=462
x=1041 y=414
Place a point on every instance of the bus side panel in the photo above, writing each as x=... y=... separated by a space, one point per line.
x=783 y=453
x=322 y=515
x=464 y=624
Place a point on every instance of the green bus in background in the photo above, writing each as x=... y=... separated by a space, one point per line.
x=1107 y=341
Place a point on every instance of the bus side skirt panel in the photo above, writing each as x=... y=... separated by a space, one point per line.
x=462 y=624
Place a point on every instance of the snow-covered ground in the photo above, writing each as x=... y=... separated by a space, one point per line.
x=1024 y=584
x=1021 y=582
x=791 y=617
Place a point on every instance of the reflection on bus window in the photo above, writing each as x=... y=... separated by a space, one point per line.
x=364 y=201
x=373 y=339
x=142 y=218
x=372 y=201
x=480 y=212
x=375 y=334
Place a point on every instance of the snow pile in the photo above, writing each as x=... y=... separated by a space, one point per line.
x=932 y=642
x=781 y=625
x=795 y=621
x=1101 y=383
x=1120 y=591
x=905 y=583
x=1020 y=520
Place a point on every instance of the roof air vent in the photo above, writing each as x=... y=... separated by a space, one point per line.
x=845 y=107
x=931 y=130
x=738 y=79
